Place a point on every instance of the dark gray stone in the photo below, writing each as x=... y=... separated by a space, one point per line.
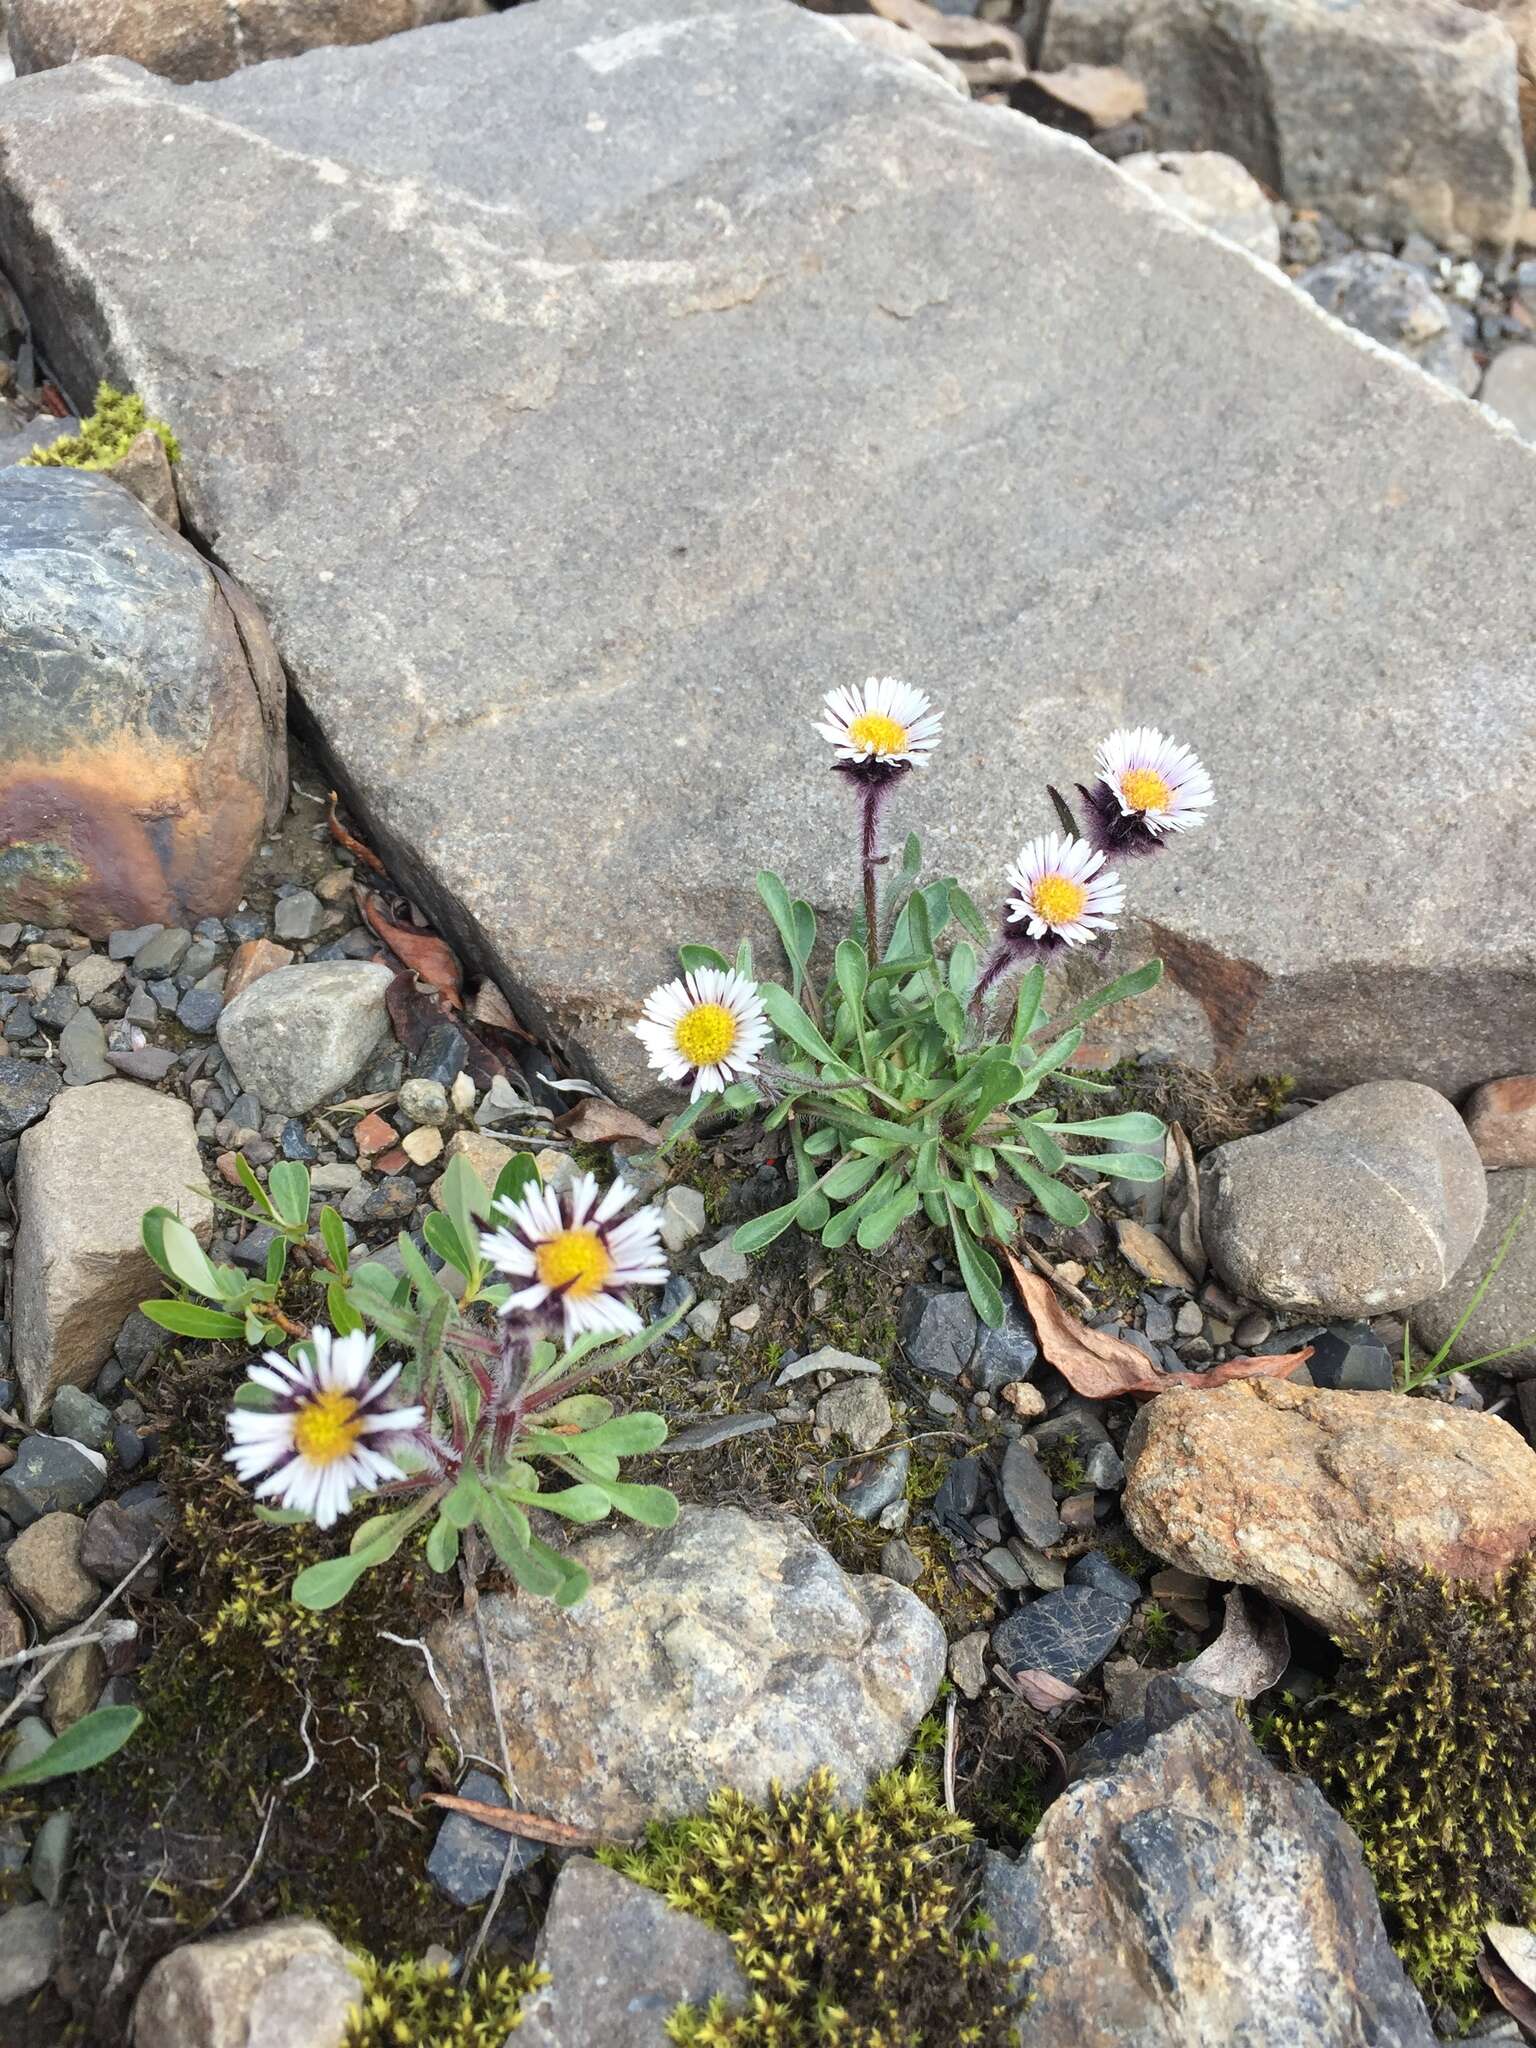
x=162 y=953
x=1094 y=1569
x=1162 y=1851
x=49 y=1473
x=83 y=1049
x=1068 y=1634
x=958 y=1495
x=683 y=359
x=123 y=945
x=75 y=1414
x=937 y=1329
x=26 y=1089
x=199 y=1010
x=1351 y=1355
x=138 y=1341
x=704 y=1436
x=298 y=916
x=1028 y=1497
x=468 y=1855
x=1392 y=303
x=441 y=1055
x=150 y=1063
x=1004 y=1355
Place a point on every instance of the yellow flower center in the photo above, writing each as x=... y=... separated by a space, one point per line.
x=706 y=1034
x=576 y=1260
x=1058 y=900
x=326 y=1428
x=873 y=733
x=1145 y=790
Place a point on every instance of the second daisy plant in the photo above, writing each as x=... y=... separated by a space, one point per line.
x=908 y=1077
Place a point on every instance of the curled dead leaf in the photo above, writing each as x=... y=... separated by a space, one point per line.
x=1515 y=1948
x=1517 y=1999
x=597 y=1121
x=1249 y=1655
x=1043 y=1691
x=1104 y=1368
x=510 y=1822
x=350 y=841
x=428 y=957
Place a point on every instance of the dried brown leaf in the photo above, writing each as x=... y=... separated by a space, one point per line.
x=1516 y=1950
x=429 y=958
x=1181 y=1200
x=1249 y=1655
x=510 y=1822
x=597 y=1121
x=1517 y=1999
x=489 y=1006
x=351 y=842
x=1045 y=1692
x=1105 y=1368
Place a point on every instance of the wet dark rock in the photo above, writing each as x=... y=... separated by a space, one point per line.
x=199 y=1009
x=294 y=1143
x=1028 y=1497
x=1004 y=1355
x=938 y=1329
x=959 y=1492
x=868 y=1486
x=26 y=1089
x=468 y=1855
x=1068 y=1634
x=50 y=1473
x=1351 y=1355
x=440 y=1056
x=1094 y=1569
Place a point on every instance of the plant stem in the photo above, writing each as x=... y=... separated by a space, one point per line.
x=869 y=855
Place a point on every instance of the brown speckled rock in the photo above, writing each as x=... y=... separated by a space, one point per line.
x=1501 y=1115
x=1299 y=1491
x=723 y=1651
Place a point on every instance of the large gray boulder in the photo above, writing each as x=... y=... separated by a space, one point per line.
x=1368 y=1203
x=799 y=358
x=1316 y=96
x=187 y=39
x=142 y=705
x=725 y=1651
x=84 y=1177
x=1186 y=1894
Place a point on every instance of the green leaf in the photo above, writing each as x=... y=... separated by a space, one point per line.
x=776 y=899
x=1062 y=1204
x=444 y=1238
x=740 y=1095
x=744 y=960
x=963 y=970
x=280 y=1518
x=428 y=1286
x=851 y=1174
x=949 y=1014
x=462 y=1502
x=694 y=957
x=1120 y=990
x=333 y=1235
x=186 y=1319
x=465 y=1199
x=246 y=1174
x=344 y=1317
x=442 y=1545
x=188 y=1261
x=1026 y=1008
x=277 y=1261
x=586 y=1502
x=264 y=1401
x=1117 y=1165
x=978 y=1269
x=90 y=1741
x=622 y=1436
x=882 y=1224
x=821 y=1141
x=761 y=1231
x=926 y=1177
x=969 y=915
x=321 y=1585
x=579 y=1411
x=843 y=1225
x=378 y=1306
x=1135 y=1128
x=519 y=1173
x=998 y=1082
x=1054 y=1056
x=652 y=1506
x=852 y=967
x=288 y=1185
x=791 y=1022
x=1045 y=1148
x=152 y=1231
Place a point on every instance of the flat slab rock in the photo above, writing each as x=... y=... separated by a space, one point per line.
x=802 y=362
x=1189 y=1893
x=723 y=1651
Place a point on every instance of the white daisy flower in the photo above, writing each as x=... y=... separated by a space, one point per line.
x=576 y=1252
x=1060 y=891
x=882 y=726
x=312 y=1450
x=710 y=1024
x=1155 y=781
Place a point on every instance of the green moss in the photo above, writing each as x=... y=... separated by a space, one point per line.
x=851 y=1926
x=1427 y=1747
x=418 y=2005
x=1157 y=1628
x=105 y=435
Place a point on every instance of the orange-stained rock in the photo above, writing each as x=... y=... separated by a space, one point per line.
x=1501 y=1115
x=375 y=1134
x=1300 y=1491
x=142 y=706
x=251 y=961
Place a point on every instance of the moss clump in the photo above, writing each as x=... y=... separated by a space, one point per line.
x=418 y=2005
x=1427 y=1747
x=851 y=1926
x=105 y=435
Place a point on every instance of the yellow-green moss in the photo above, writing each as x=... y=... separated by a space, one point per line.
x=105 y=435
x=1427 y=1746
x=851 y=1926
x=418 y=2005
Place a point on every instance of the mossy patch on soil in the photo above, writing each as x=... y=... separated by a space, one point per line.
x=105 y=435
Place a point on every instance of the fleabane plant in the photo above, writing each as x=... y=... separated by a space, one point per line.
x=486 y=1411
x=908 y=1078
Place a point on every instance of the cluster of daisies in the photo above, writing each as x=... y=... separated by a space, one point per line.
x=330 y=1430
x=709 y=1026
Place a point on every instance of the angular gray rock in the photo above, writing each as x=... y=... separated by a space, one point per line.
x=26 y=1089
x=646 y=234
x=1370 y=1202
x=30 y=1939
x=1394 y=303
x=620 y=1961
x=143 y=708
x=857 y=1411
x=288 y=1984
x=84 y=1177
x=722 y=1651
x=1505 y=1319
x=300 y=1033
x=1212 y=190
x=1315 y=98
x=187 y=39
x=1068 y=1633
x=1218 y=1900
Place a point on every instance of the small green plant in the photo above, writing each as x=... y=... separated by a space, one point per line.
x=1421 y=1372
x=418 y=2005
x=901 y=1089
x=850 y=1926
x=1427 y=1747
x=105 y=435
x=1157 y=1627
x=495 y=1405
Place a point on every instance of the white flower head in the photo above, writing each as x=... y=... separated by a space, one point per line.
x=710 y=1025
x=317 y=1447
x=577 y=1253
x=1061 y=892
x=881 y=726
x=1155 y=781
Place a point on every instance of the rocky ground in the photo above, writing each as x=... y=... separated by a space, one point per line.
x=1250 y=1464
